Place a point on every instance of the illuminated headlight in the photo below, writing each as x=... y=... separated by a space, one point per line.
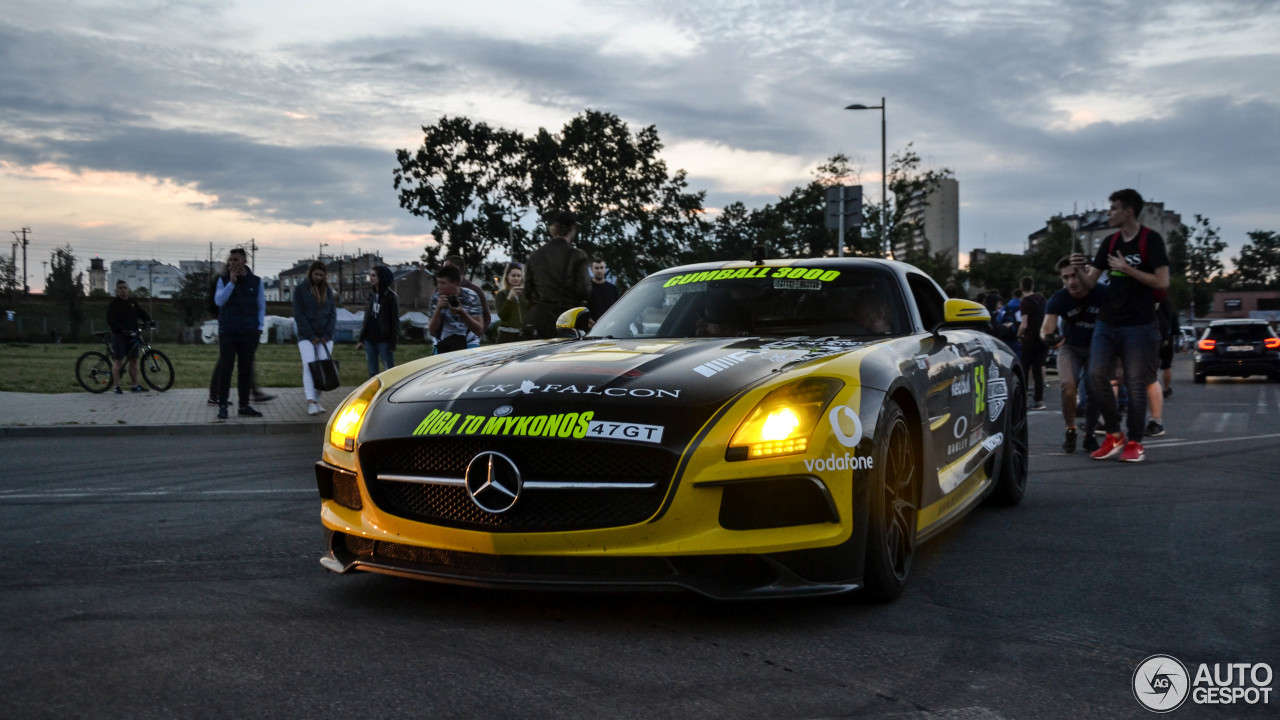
x=783 y=421
x=346 y=422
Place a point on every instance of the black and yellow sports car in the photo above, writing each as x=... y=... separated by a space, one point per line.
x=737 y=429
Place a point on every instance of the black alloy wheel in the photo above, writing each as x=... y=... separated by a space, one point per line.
x=1011 y=478
x=895 y=508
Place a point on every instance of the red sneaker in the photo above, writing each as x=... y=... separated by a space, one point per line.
x=1133 y=452
x=1112 y=445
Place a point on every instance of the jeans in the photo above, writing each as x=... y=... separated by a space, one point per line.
x=1136 y=347
x=236 y=351
x=373 y=351
x=1033 y=355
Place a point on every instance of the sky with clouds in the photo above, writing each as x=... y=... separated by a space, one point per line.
x=162 y=129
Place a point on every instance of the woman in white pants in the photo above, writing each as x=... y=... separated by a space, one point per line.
x=315 y=310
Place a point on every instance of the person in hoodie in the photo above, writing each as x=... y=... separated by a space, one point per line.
x=315 y=310
x=381 y=329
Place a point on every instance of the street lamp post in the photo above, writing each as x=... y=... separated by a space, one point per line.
x=884 y=177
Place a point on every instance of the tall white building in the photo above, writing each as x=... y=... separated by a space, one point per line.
x=936 y=215
x=160 y=280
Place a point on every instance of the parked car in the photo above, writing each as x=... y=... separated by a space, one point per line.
x=787 y=427
x=1238 y=347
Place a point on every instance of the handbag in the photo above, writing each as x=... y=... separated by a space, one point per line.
x=324 y=371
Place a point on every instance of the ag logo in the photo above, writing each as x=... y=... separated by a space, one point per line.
x=1160 y=683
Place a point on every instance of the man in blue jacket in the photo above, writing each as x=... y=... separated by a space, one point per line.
x=242 y=313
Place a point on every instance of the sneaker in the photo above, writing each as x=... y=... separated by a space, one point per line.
x=1133 y=452
x=1069 y=444
x=263 y=397
x=214 y=401
x=313 y=408
x=1036 y=405
x=1112 y=445
x=118 y=391
x=248 y=411
x=138 y=388
x=222 y=412
x=1168 y=391
x=1090 y=443
x=1154 y=429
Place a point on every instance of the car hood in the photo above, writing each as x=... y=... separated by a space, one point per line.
x=670 y=382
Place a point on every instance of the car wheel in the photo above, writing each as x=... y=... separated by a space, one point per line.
x=1011 y=478
x=1199 y=379
x=894 y=507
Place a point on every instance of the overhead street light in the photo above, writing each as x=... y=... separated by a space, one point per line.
x=884 y=178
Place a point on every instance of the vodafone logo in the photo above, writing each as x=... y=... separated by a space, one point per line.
x=845 y=425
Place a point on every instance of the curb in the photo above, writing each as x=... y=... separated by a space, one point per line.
x=279 y=428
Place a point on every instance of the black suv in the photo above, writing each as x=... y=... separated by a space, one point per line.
x=1240 y=348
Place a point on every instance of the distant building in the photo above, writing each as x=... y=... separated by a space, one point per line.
x=348 y=276
x=271 y=289
x=936 y=216
x=1260 y=304
x=200 y=266
x=97 y=276
x=160 y=280
x=1091 y=227
x=414 y=286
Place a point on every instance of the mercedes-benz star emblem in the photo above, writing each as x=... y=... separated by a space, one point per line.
x=493 y=482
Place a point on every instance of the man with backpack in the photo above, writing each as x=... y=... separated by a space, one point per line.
x=1135 y=263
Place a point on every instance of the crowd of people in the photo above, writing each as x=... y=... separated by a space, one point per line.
x=1113 y=328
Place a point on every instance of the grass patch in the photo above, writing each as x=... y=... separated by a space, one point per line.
x=35 y=368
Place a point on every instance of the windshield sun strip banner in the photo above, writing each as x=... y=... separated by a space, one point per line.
x=795 y=273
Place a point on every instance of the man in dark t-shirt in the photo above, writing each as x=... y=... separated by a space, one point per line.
x=1135 y=263
x=1074 y=309
x=1033 y=350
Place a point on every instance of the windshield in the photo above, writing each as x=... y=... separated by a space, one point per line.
x=764 y=301
x=1252 y=332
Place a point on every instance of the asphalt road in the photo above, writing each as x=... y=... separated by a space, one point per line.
x=183 y=583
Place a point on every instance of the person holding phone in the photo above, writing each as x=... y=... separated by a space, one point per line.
x=381 y=329
x=1136 y=265
x=456 y=322
x=242 y=313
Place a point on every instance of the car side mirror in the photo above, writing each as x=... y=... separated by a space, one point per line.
x=958 y=313
x=573 y=323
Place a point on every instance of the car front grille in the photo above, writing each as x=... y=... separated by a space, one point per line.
x=613 y=470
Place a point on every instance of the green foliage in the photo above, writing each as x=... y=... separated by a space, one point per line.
x=66 y=285
x=9 y=277
x=999 y=272
x=1204 y=246
x=1258 y=266
x=194 y=297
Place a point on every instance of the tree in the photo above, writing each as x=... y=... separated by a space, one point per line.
x=998 y=271
x=9 y=277
x=471 y=182
x=65 y=284
x=194 y=297
x=630 y=211
x=906 y=182
x=1258 y=266
x=1203 y=248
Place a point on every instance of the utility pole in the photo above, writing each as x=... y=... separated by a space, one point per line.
x=253 y=254
x=26 y=289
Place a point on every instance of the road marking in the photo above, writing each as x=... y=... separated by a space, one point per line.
x=1178 y=442
x=1219 y=423
x=72 y=493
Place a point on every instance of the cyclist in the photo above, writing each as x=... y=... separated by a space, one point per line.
x=123 y=316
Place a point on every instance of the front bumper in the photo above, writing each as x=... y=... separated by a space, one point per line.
x=722 y=577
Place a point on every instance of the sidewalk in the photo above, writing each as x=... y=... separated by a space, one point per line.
x=167 y=413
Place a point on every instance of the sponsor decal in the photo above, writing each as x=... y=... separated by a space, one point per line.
x=795 y=284
x=724 y=362
x=845 y=425
x=958 y=446
x=798 y=273
x=831 y=462
x=960 y=427
x=564 y=425
x=922 y=362
x=993 y=442
x=1161 y=684
x=528 y=387
x=959 y=430
x=561 y=425
x=962 y=386
x=820 y=345
x=997 y=391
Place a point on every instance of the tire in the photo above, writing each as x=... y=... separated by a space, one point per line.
x=93 y=372
x=894 y=508
x=1011 y=478
x=1199 y=379
x=156 y=369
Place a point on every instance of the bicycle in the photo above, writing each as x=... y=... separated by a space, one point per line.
x=93 y=369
